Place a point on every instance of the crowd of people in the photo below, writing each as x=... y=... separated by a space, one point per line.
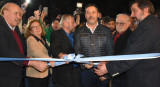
x=137 y=33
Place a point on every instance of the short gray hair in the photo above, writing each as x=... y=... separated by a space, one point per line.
x=65 y=17
x=123 y=14
x=6 y=7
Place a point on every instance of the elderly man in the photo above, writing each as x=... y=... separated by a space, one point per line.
x=12 y=45
x=123 y=22
x=62 y=44
x=144 y=39
x=92 y=39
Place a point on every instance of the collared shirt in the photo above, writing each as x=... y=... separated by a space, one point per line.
x=12 y=28
x=91 y=28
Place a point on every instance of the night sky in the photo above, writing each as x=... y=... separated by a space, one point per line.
x=107 y=7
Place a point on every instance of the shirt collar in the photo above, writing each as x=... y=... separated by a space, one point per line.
x=12 y=28
x=71 y=34
x=90 y=28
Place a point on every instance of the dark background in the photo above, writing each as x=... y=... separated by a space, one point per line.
x=107 y=7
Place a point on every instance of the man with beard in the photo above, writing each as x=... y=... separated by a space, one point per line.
x=110 y=22
x=92 y=40
x=144 y=39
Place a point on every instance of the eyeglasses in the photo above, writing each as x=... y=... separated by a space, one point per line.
x=35 y=27
x=120 y=23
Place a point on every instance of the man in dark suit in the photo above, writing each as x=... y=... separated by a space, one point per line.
x=12 y=45
x=61 y=45
x=123 y=22
x=145 y=39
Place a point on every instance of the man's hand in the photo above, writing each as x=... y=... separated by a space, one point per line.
x=88 y=66
x=59 y=16
x=39 y=65
x=101 y=69
x=61 y=55
x=102 y=78
x=52 y=63
x=43 y=14
x=37 y=14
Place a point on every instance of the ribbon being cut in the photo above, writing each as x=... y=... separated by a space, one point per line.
x=79 y=59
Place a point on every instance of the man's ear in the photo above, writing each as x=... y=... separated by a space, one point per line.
x=5 y=12
x=146 y=10
x=65 y=23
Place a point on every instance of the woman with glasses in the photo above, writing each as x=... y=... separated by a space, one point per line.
x=37 y=47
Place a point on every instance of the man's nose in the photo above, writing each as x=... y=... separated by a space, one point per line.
x=132 y=14
x=19 y=16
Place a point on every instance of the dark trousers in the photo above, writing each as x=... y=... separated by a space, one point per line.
x=90 y=79
x=38 y=82
x=119 y=81
x=66 y=76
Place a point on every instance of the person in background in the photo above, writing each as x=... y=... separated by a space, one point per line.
x=100 y=21
x=37 y=47
x=110 y=22
x=31 y=18
x=54 y=27
x=47 y=26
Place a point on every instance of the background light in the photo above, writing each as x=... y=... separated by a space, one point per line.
x=28 y=1
x=79 y=5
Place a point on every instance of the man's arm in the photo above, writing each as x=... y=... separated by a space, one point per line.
x=55 y=45
x=110 y=43
x=77 y=46
x=142 y=44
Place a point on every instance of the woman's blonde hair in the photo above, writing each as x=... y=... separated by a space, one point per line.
x=28 y=29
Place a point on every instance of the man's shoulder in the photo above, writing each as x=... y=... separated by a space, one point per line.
x=2 y=21
x=150 y=20
x=59 y=31
x=150 y=23
x=103 y=27
x=83 y=27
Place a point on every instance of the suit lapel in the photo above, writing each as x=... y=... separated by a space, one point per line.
x=65 y=38
x=10 y=37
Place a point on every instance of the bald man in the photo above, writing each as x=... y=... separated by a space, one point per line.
x=12 y=45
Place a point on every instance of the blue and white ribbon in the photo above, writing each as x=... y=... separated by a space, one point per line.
x=72 y=57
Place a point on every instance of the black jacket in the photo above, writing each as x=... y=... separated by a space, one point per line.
x=11 y=72
x=63 y=76
x=100 y=43
x=121 y=42
x=145 y=39
x=60 y=43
